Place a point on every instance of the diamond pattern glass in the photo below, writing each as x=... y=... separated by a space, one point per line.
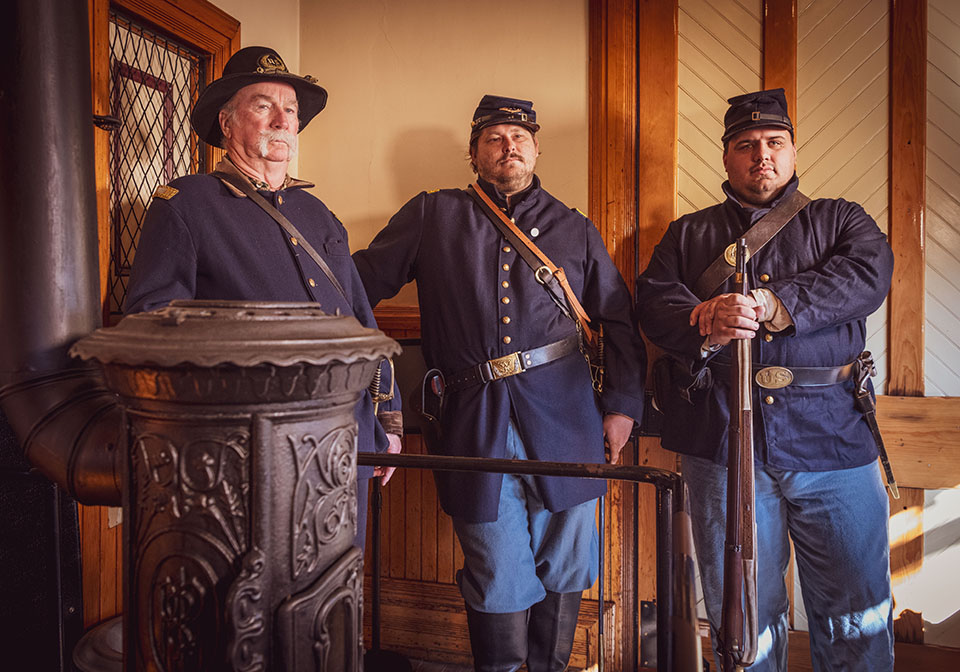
x=154 y=82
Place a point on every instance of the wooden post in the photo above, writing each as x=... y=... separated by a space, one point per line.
x=908 y=123
x=780 y=50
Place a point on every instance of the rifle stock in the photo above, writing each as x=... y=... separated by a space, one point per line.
x=737 y=639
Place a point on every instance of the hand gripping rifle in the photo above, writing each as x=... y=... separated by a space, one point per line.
x=737 y=639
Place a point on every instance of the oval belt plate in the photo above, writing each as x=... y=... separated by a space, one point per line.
x=774 y=377
x=730 y=254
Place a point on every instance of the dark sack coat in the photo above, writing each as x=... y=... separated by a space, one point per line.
x=475 y=291
x=831 y=268
x=209 y=241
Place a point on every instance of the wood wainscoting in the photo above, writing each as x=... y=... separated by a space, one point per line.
x=422 y=613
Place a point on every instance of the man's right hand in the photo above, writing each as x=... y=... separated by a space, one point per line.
x=727 y=317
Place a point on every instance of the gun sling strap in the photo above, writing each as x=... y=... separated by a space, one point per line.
x=285 y=224
x=547 y=273
x=757 y=236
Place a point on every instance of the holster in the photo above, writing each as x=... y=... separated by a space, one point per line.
x=675 y=384
x=430 y=410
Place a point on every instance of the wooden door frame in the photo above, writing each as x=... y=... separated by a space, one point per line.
x=216 y=36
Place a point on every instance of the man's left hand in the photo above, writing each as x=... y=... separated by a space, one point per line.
x=616 y=432
x=393 y=447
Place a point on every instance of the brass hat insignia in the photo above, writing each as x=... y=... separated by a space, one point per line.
x=271 y=63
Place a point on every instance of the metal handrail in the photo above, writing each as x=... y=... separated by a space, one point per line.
x=671 y=500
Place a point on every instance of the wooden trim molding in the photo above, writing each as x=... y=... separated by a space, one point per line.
x=398 y=321
x=905 y=349
x=780 y=51
x=921 y=435
x=908 y=129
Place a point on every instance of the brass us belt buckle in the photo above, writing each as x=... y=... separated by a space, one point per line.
x=730 y=254
x=774 y=377
x=508 y=365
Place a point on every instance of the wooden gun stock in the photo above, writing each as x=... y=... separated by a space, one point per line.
x=737 y=639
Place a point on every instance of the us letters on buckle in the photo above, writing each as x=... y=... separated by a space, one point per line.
x=774 y=377
x=508 y=365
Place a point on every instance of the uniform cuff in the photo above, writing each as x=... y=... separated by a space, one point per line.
x=777 y=317
x=391 y=421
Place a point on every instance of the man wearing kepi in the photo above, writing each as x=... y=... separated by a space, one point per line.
x=817 y=479
x=214 y=237
x=514 y=383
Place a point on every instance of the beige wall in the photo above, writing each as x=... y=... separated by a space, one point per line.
x=404 y=79
x=274 y=24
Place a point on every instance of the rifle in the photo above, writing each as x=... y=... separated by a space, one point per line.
x=737 y=639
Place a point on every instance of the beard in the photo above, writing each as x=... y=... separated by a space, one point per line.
x=266 y=137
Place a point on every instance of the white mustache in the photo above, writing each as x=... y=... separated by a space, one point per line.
x=266 y=137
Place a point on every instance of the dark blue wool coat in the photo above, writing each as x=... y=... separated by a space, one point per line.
x=831 y=267
x=209 y=241
x=469 y=281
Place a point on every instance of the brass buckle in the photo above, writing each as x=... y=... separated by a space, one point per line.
x=503 y=367
x=774 y=377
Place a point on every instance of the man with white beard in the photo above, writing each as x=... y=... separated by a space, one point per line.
x=227 y=235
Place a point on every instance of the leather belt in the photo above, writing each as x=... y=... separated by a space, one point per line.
x=776 y=377
x=512 y=364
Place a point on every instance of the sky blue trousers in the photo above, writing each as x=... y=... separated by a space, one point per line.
x=838 y=523
x=510 y=563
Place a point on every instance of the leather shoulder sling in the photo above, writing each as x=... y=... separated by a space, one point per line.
x=285 y=224
x=547 y=273
x=757 y=236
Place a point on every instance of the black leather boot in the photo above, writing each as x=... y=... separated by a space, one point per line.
x=553 y=624
x=499 y=641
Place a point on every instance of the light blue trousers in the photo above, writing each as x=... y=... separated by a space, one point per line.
x=838 y=523
x=510 y=563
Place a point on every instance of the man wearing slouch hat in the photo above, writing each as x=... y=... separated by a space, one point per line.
x=513 y=383
x=818 y=483
x=213 y=237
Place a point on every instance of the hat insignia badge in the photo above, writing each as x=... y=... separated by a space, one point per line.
x=271 y=63
x=514 y=110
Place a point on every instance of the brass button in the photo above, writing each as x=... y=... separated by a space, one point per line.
x=507 y=339
x=764 y=277
x=506 y=248
x=505 y=319
x=768 y=337
x=279 y=199
x=506 y=267
x=768 y=400
x=311 y=282
x=294 y=241
x=513 y=219
x=505 y=299
x=504 y=284
x=534 y=232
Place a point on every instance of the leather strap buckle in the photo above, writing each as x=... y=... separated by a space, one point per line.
x=504 y=367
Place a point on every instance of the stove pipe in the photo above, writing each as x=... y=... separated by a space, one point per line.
x=65 y=421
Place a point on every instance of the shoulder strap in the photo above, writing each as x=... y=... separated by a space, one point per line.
x=757 y=237
x=286 y=224
x=553 y=279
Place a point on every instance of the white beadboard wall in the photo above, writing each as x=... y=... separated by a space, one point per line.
x=942 y=301
x=843 y=117
x=720 y=56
